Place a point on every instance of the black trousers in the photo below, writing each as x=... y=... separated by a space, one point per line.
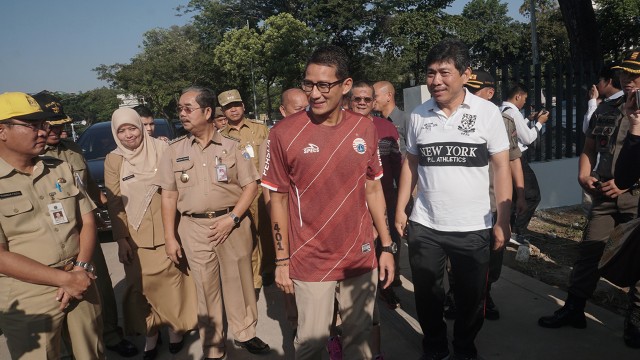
x=520 y=223
x=469 y=256
x=604 y=216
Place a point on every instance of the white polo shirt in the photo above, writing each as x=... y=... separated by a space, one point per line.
x=453 y=169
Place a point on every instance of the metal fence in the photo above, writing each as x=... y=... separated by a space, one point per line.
x=562 y=89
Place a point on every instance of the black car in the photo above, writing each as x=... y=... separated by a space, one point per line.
x=97 y=141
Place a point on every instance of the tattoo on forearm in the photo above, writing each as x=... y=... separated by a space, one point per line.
x=278 y=236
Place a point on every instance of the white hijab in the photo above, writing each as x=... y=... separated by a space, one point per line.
x=141 y=163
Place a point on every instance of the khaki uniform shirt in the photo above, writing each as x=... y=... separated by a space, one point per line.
x=251 y=136
x=72 y=153
x=191 y=170
x=25 y=219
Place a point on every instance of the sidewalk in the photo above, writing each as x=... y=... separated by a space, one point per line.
x=516 y=335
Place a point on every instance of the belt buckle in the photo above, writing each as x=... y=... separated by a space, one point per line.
x=211 y=214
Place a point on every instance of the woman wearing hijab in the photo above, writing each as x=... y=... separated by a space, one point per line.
x=158 y=292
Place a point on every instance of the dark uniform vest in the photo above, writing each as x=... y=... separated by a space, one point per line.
x=608 y=130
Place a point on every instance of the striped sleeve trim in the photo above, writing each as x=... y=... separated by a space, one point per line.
x=378 y=176
x=269 y=185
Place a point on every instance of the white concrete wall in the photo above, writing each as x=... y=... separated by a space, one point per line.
x=415 y=96
x=558 y=180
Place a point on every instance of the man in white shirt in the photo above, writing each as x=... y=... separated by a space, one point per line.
x=608 y=86
x=450 y=141
x=516 y=99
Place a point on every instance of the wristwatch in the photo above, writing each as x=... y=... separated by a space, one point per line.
x=393 y=248
x=236 y=219
x=88 y=267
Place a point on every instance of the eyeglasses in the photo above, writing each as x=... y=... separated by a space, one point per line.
x=43 y=125
x=323 y=87
x=186 y=109
x=358 y=99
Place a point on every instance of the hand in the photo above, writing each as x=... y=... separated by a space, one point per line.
x=633 y=113
x=593 y=92
x=501 y=232
x=401 y=223
x=63 y=298
x=125 y=252
x=283 y=281
x=521 y=205
x=589 y=183
x=543 y=116
x=173 y=250
x=610 y=190
x=75 y=283
x=220 y=229
x=386 y=268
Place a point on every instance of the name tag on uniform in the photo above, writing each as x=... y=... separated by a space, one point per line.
x=128 y=177
x=249 y=150
x=10 y=194
x=57 y=213
x=181 y=159
x=221 y=172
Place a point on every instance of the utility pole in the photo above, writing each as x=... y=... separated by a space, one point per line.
x=253 y=84
x=534 y=32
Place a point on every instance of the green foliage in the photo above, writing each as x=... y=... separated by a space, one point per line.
x=619 y=22
x=553 y=40
x=93 y=106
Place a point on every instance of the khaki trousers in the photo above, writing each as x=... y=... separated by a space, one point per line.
x=34 y=326
x=111 y=332
x=221 y=272
x=263 y=255
x=315 y=302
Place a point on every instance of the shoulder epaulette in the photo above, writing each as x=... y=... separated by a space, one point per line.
x=178 y=139
x=229 y=137
x=50 y=160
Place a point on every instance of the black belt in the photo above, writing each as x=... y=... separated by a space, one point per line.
x=210 y=214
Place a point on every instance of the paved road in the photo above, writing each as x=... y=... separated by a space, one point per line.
x=515 y=336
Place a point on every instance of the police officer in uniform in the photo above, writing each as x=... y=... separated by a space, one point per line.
x=67 y=150
x=47 y=237
x=611 y=205
x=206 y=178
x=251 y=136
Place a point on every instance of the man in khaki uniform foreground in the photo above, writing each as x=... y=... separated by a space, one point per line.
x=47 y=238
x=207 y=180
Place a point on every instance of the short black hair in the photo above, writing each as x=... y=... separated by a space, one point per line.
x=331 y=55
x=517 y=88
x=452 y=50
x=362 y=84
x=608 y=73
x=205 y=98
x=143 y=111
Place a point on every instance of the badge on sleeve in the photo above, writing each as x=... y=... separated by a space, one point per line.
x=57 y=213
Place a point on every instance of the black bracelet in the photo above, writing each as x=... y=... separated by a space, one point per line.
x=281 y=260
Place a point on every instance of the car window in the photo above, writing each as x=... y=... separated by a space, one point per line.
x=97 y=141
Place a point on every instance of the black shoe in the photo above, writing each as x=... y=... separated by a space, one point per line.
x=491 y=311
x=567 y=315
x=389 y=297
x=124 y=348
x=151 y=354
x=631 y=334
x=175 y=348
x=254 y=346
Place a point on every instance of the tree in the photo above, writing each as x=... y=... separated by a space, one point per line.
x=93 y=106
x=276 y=53
x=619 y=22
x=584 y=34
x=553 y=40
x=493 y=37
x=169 y=61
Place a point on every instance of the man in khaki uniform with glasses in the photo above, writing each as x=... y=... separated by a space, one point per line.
x=47 y=237
x=206 y=179
x=251 y=136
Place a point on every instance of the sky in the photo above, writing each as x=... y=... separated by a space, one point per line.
x=53 y=45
